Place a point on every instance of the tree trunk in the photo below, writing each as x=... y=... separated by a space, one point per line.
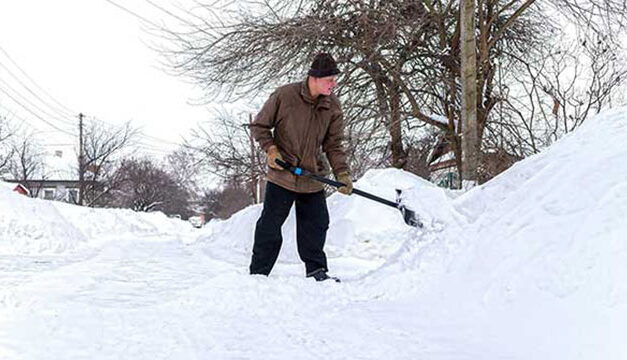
x=398 y=154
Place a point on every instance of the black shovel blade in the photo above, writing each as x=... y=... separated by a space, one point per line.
x=410 y=217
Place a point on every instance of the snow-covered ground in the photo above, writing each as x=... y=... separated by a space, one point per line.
x=527 y=266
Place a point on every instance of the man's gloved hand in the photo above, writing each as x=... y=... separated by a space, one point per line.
x=346 y=179
x=273 y=154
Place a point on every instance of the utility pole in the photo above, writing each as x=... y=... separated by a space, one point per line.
x=253 y=178
x=81 y=161
x=470 y=139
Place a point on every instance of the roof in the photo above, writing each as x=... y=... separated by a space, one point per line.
x=440 y=148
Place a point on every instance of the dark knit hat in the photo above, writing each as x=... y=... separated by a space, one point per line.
x=323 y=65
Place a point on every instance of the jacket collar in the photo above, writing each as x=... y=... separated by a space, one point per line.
x=322 y=101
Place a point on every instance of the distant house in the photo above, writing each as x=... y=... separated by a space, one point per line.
x=61 y=190
x=443 y=166
x=58 y=179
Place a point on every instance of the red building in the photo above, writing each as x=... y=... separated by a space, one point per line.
x=21 y=189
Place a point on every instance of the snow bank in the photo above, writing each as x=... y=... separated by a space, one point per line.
x=359 y=228
x=35 y=226
x=518 y=267
x=98 y=223
x=535 y=268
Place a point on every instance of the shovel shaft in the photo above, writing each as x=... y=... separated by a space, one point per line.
x=409 y=216
x=337 y=184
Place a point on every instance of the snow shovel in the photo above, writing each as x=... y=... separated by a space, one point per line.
x=408 y=215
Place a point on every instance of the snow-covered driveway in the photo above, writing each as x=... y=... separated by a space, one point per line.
x=151 y=298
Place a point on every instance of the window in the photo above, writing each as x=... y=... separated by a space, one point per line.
x=49 y=194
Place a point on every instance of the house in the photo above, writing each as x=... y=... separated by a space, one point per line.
x=443 y=166
x=58 y=179
x=51 y=189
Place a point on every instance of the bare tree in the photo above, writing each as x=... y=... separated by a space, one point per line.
x=27 y=163
x=402 y=57
x=102 y=144
x=6 y=150
x=225 y=147
x=185 y=166
x=224 y=202
x=146 y=187
x=556 y=90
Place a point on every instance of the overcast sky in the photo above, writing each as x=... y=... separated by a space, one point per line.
x=91 y=57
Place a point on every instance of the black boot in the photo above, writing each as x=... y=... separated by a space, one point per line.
x=321 y=275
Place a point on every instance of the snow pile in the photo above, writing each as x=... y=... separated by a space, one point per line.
x=358 y=228
x=35 y=226
x=536 y=269
x=529 y=265
x=98 y=223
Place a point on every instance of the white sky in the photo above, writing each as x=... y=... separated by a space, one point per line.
x=93 y=58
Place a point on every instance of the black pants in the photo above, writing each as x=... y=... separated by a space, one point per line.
x=312 y=222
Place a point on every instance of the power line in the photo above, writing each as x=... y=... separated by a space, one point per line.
x=24 y=121
x=153 y=149
x=58 y=113
x=69 y=111
x=35 y=114
x=158 y=140
x=155 y=144
x=167 y=12
x=24 y=98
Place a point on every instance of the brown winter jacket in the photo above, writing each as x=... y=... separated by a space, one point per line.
x=303 y=128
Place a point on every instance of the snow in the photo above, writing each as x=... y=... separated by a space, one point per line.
x=440 y=118
x=527 y=266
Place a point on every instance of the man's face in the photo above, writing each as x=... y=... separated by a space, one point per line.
x=326 y=84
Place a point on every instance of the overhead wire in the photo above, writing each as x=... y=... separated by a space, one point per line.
x=60 y=124
x=147 y=142
x=59 y=114
x=154 y=145
x=35 y=106
x=51 y=113
x=12 y=114
x=167 y=11
x=17 y=66
x=155 y=139
x=35 y=114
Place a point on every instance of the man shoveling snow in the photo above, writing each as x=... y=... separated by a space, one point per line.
x=296 y=122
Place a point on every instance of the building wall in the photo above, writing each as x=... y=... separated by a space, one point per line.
x=446 y=178
x=59 y=192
